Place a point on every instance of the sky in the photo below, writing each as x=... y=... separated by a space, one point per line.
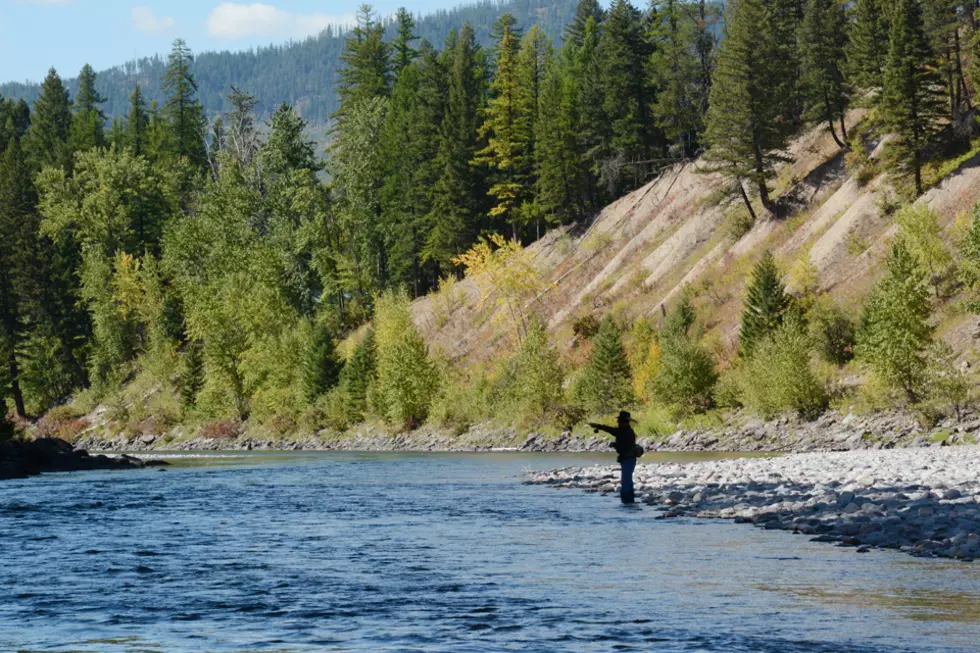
x=66 y=34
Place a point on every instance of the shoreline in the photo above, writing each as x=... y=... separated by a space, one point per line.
x=833 y=431
x=923 y=503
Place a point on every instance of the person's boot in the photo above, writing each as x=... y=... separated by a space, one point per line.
x=627 y=498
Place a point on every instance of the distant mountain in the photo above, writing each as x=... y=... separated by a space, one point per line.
x=301 y=73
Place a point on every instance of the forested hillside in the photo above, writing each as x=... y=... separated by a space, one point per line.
x=784 y=224
x=302 y=74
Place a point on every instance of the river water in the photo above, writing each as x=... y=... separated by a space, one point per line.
x=404 y=552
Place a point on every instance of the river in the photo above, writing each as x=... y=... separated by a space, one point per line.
x=412 y=552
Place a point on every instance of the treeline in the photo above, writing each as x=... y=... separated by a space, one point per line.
x=302 y=74
x=211 y=257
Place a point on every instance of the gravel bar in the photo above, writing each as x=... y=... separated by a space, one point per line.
x=921 y=501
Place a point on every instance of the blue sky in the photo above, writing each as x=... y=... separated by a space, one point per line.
x=38 y=34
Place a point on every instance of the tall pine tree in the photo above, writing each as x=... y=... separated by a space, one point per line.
x=88 y=123
x=912 y=98
x=765 y=305
x=822 y=42
x=183 y=112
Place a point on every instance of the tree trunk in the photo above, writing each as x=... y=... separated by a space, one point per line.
x=15 y=386
x=745 y=198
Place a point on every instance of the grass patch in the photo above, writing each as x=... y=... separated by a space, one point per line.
x=935 y=171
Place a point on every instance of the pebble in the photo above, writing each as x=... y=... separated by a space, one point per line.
x=924 y=501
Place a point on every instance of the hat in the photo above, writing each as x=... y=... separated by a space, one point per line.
x=624 y=415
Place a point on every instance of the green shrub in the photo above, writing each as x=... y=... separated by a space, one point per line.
x=536 y=390
x=728 y=389
x=191 y=379
x=407 y=381
x=895 y=336
x=833 y=333
x=687 y=375
x=778 y=378
x=606 y=382
x=357 y=376
x=586 y=327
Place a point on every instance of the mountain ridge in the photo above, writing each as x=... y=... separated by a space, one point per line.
x=300 y=73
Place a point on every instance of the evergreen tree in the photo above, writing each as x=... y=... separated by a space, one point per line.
x=868 y=38
x=506 y=131
x=402 y=50
x=593 y=124
x=562 y=179
x=744 y=132
x=911 y=96
x=822 y=42
x=191 y=380
x=895 y=333
x=674 y=66
x=88 y=123
x=766 y=304
x=242 y=136
x=321 y=366
x=287 y=147
x=624 y=55
x=367 y=63
x=455 y=205
x=138 y=124
x=584 y=10
x=183 y=112
x=685 y=375
x=359 y=374
x=533 y=61
x=943 y=25
x=48 y=137
x=18 y=225
x=705 y=21
x=606 y=384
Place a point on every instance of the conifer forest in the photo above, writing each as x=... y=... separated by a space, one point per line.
x=236 y=273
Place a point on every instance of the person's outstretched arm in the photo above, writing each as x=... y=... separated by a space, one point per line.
x=602 y=427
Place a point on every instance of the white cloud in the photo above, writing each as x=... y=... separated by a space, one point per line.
x=146 y=21
x=232 y=20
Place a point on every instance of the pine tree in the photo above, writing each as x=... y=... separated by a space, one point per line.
x=18 y=225
x=705 y=21
x=744 y=132
x=606 y=384
x=593 y=125
x=191 y=380
x=506 y=131
x=402 y=50
x=367 y=63
x=242 y=136
x=88 y=123
x=562 y=179
x=766 y=304
x=895 y=334
x=50 y=130
x=624 y=55
x=287 y=147
x=321 y=366
x=359 y=374
x=868 y=38
x=674 y=67
x=685 y=374
x=183 y=112
x=943 y=25
x=138 y=124
x=453 y=219
x=822 y=42
x=912 y=98
x=586 y=9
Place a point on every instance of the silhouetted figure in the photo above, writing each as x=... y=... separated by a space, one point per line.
x=625 y=446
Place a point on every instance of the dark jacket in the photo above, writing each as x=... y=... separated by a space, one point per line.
x=625 y=444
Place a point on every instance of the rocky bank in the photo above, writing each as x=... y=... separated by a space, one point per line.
x=922 y=502
x=21 y=459
x=833 y=431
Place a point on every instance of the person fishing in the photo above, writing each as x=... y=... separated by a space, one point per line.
x=625 y=446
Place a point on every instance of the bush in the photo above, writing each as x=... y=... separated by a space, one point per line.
x=895 y=336
x=765 y=305
x=225 y=429
x=191 y=379
x=536 y=389
x=687 y=376
x=585 y=327
x=407 y=381
x=859 y=163
x=778 y=378
x=606 y=383
x=833 y=333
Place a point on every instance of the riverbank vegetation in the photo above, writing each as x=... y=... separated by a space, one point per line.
x=183 y=268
